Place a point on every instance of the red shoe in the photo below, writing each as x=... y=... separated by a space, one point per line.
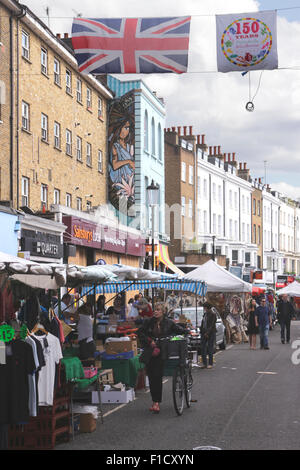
x=155 y=408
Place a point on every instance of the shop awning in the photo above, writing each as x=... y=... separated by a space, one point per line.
x=163 y=256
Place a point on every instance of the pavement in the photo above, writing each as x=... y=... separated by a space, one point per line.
x=249 y=400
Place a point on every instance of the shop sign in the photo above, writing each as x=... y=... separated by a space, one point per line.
x=135 y=246
x=113 y=240
x=42 y=244
x=81 y=232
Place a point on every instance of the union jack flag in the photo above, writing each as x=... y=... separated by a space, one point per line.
x=131 y=45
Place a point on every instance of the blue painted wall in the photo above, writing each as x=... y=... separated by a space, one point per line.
x=149 y=157
x=8 y=236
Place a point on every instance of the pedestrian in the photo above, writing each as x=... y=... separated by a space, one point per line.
x=252 y=328
x=285 y=313
x=100 y=305
x=151 y=331
x=263 y=320
x=86 y=342
x=208 y=335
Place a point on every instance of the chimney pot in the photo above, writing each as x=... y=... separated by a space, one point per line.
x=240 y=166
x=215 y=150
x=210 y=148
x=58 y=35
x=219 y=150
x=179 y=130
x=233 y=157
x=184 y=130
x=203 y=139
x=66 y=35
x=198 y=139
x=245 y=166
x=191 y=130
x=173 y=129
x=229 y=157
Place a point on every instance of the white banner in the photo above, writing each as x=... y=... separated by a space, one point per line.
x=247 y=41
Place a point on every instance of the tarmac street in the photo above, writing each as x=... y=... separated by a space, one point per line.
x=250 y=400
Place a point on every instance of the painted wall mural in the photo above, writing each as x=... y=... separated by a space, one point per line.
x=121 y=140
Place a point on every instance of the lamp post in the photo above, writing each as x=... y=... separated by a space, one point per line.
x=213 y=247
x=153 y=194
x=273 y=254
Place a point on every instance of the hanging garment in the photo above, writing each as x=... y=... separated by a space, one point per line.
x=52 y=354
x=14 y=388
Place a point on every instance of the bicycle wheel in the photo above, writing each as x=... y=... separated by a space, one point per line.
x=188 y=384
x=178 y=391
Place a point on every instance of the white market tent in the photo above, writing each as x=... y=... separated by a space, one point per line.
x=292 y=289
x=217 y=279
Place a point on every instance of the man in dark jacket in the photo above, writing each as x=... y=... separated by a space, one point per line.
x=159 y=326
x=208 y=335
x=285 y=312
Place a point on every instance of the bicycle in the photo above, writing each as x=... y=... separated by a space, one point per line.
x=182 y=379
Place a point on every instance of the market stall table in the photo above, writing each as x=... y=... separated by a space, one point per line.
x=125 y=370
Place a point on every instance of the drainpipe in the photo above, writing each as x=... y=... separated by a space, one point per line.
x=21 y=15
x=11 y=118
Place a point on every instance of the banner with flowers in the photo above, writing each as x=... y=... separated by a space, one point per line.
x=247 y=41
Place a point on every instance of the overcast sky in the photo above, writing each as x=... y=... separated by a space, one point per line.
x=268 y=139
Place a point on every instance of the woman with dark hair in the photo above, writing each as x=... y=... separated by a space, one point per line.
x=158 y=326
x=252 y=328
x=121 y=156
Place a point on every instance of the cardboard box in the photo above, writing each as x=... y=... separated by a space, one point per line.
x=112 y=396
x=106 y=377
x=99 y=345
x=87 y=423
x=117 y=347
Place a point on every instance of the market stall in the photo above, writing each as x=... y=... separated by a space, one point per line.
x=111 y=374
x=228 y=293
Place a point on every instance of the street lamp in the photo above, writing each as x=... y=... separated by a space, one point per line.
x=153 y=195
x=213 y=247
x=273 y=255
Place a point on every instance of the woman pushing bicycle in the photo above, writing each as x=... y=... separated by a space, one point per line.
x=156 y=327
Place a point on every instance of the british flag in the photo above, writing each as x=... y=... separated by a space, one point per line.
x=131 y=45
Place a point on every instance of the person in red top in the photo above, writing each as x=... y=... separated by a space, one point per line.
x=144 y=308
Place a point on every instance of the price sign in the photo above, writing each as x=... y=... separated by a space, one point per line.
x=6 y=333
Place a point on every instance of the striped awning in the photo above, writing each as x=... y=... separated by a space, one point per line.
x=196 y=287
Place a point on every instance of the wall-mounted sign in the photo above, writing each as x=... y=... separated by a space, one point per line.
x=41 y=244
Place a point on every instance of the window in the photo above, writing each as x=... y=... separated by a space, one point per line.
x=220 y=194
x=25 y=116
x=56 y=198
x=214 y=194
x=88 y=205
x=153 y=150
x=254 y=233
x=183 y=205
x=79 y=203
x=230 y=228
x=88 y=98
x=68 y=81
x=56 y=72
x=44 y=61
x=230 y=198
x=25 y=45
x=44 y=196
x=88 y=154
x=79 y=148
x=100 y=107
x=258 y=207
x=219 y=225
x=235 y=200
x=205 y=189
x=191 y=208
x=68 y=200
x=254 y=206
x=191 y=174
x=146 y=143
x=243 y=203
x=44 y=125
x=56 y=135
x=205 y=221
x=214 y=224
x=100 y=161
x=68 y=142
x=183 y=171
x=79 y=90
x=159 y=142
x=25 y=191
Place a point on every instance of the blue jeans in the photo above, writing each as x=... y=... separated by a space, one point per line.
x=264 y=335
x=207 y=348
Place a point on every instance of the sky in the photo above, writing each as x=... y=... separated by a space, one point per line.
x=267 y=139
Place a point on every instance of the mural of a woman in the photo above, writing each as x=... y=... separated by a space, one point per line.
x=121 y=139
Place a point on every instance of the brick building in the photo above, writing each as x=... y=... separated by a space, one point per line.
x=53 y=119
